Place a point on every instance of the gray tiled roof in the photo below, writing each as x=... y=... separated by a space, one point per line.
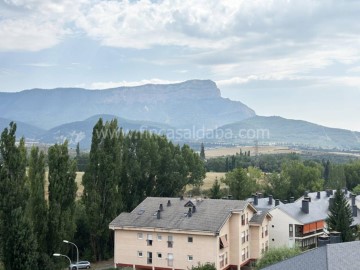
x=258 y=218
x=318 y=208
x=210 y=214
x=342 y=256
x=263 y=203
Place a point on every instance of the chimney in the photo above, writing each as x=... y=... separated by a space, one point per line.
x=305 y=206
x=306 y=193
x=353 y=199
x=292 y=199
x=255 y=199
x=318 y=195
x=168 y=203
x=328 y=193
x=189 y=212
x=285 y=201
x=158 y=214
x=259 y=194
x=161 y=208
x=229 y=197
x=181 y=198
x=331 y=202
x=277 y=202
x=345 y=190
x=270 y=200
x=194 y=209
x=308 y=199
x=331 y=192
x=354 y=211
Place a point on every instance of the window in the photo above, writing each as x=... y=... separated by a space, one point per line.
x=243 y=237
x=242 y=219
x=140 y=254
x=226 y=259
x=262 y=232
x=221 y=260
x=266 y=246
x=266 y=230
x=149 y=239
x=149 y=257
x=170 y=259
x=190 y=239
x=190 y=257
x=159 y=255
x=291 y=230
x=247 y=218
x=170 y=241
x=159 y=237
x=140 y=236
x=262 y=248
x=243 y=254
x=247 y=252
x=247 y=235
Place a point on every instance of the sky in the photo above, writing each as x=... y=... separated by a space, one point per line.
x=298 y=59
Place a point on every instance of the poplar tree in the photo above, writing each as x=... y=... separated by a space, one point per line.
x=202 y=151
x=62 y=194
x=37 y=203
x=101 y=180
x=16 y=237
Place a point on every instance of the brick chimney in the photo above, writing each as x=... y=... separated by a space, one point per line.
x=255 y=199
x=354 y=211
x=277 y=202
x=305 y=206
x=270 y=199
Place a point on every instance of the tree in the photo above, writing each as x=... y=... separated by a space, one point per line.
x=340 y=217
x=278 y=185
x=352 y=174
x=356 y=190
x=303 y=177
x=275 y=255
x=62 y=195
x=17 y=240
x=336 y=177
x=215 y=191
x=37 y=204
x=240 y=185
x=202 y=152
x=77 y=150
x=101 y=181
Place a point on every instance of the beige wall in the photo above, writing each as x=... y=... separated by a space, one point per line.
x=202 y=249
x=257 y=240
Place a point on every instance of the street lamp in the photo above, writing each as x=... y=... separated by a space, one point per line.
x=77 y=250
x=61 y=255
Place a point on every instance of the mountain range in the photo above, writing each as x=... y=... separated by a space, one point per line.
x=189 y=111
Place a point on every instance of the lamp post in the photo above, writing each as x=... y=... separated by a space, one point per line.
x=77 y=250
x=61 y=255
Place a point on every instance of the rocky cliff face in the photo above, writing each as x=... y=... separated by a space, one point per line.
x=192 y=103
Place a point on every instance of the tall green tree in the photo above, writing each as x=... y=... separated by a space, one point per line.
x=340 y=217
x=352 y=174
x=16 y=237
x=101 y=195
x=62 y=195
x=241 y=186
x=278 y=185
x=38 y=210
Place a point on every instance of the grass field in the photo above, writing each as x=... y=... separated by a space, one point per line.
x=226 y=151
